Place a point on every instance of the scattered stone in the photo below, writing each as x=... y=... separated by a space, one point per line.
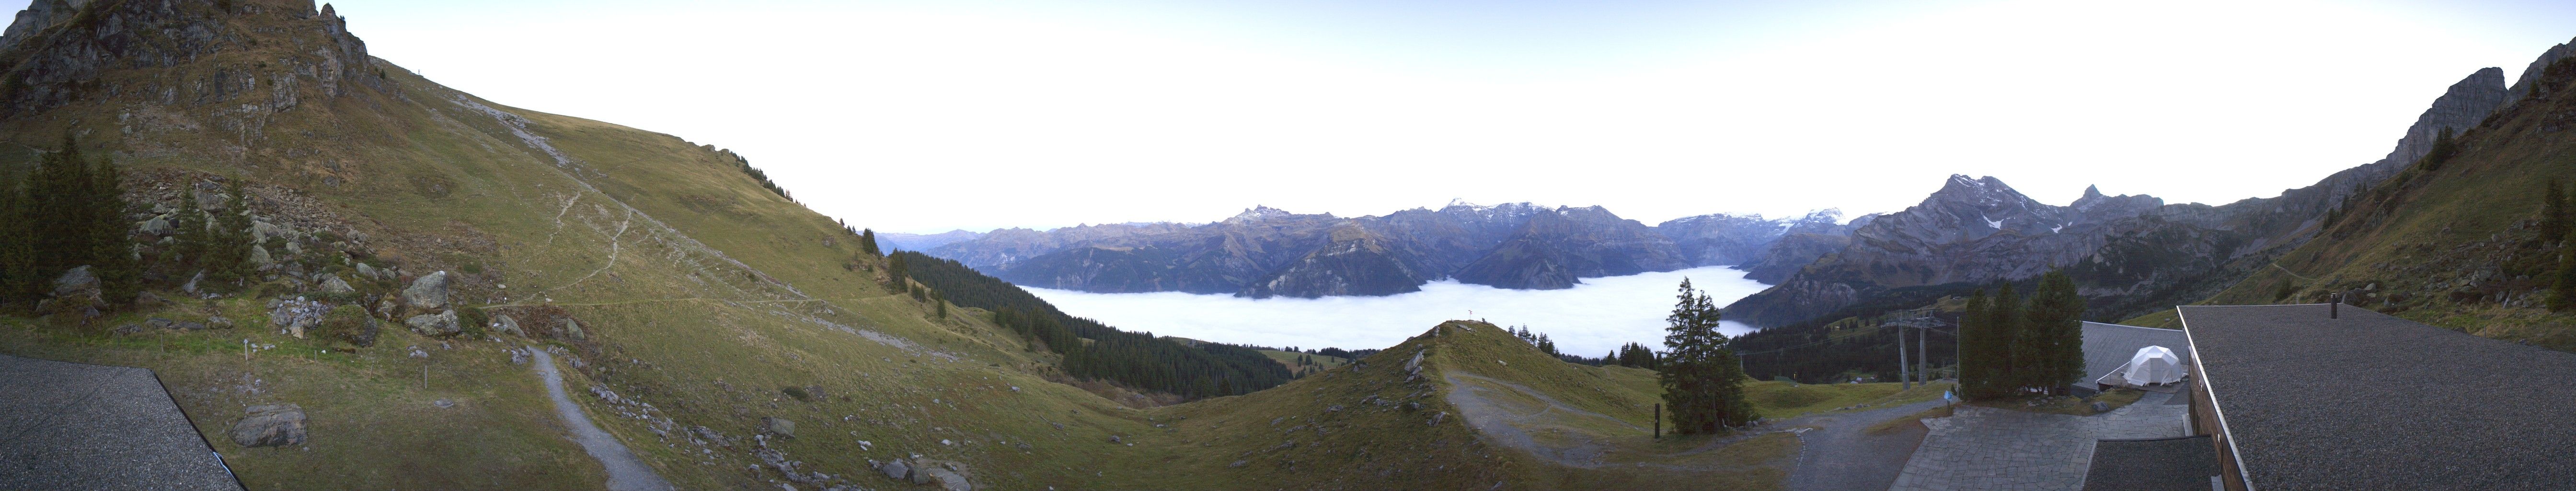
x=127 y=329
x=259 y=258
x=1238 y=463
x=441 y=324
x=77 y=283
x=368 y=271
x=270 y=425
x=334 y=285
x=160 y=323
x=2101 y=407
x=1334 y=409
x=778 y=426
x=218 y=322
x=1116 y=439
x=1435 y=419
x=428 y=292
x=443 y=403
x=570 y=329
x=191 y=287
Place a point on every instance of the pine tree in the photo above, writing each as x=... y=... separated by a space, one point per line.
x=868 y=242
x=228 y=245
x=1702 y=382
x=896 y=274
x=2562 y=291
x=2055 y=333
x=19 y=279
x=1978 y=358
x=188 y=239
x=120 y=274
x=939 y=303
x=2554 y=215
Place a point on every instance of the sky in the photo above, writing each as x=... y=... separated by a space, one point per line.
x=1591 y=319
x=930 y=115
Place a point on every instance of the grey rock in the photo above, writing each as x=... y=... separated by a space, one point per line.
x=946 y=479
x=507 y=325
x=368 y=271
x=78 y=282
x=160 y=323
x=2101 y=407
x=127 y=329
x=571 y=330
x=896 y=470
x=191 y=286
x=212 y=200
x=261 y=231
x=778 y=426
x=428 y=292
x=190 y=326
x=270 y=426
x=157 y=226
x=333 y=284
x=219 y=322
x=440 y=324
x=259 y=257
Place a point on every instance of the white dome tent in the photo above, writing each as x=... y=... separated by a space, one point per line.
x=2153 y=365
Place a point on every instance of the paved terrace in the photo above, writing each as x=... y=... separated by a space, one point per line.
x=2107 y=347
x=75 y=426
x=2370 y=401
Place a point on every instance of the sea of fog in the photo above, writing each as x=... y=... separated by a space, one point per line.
x=1590 y=319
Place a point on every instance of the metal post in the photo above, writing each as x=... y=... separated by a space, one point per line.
x=2334 y=307
x=1903 y=374
x=1659 y=421
x=1922 y=353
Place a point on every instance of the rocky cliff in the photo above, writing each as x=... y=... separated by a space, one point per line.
x=2126 y=252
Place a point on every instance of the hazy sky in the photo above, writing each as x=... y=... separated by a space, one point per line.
x=936 y=114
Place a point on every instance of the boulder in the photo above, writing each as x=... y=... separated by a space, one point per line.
x=428 y=292
x=333 y=284
x=157 y=227
x=778 y=426
x=270 y=425
x=78 y=282
x=191 y=287
x=259 y=257
x=127 y=329
x=260 y=231
x=189 y=326
x=570 y=330
x=896 y=470
x=368 y=272
x=2101 y=407
x=160 y=323
x=506 y=325
x=440 y=324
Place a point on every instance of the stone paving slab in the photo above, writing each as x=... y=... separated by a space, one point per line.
x=2005 y=450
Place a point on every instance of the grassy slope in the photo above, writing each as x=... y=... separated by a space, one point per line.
x=2440 y=246
x=702 y=294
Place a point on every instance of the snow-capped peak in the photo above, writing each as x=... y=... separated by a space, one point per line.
x=1258 y=213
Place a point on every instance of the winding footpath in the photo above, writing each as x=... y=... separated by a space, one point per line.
x=625 y=471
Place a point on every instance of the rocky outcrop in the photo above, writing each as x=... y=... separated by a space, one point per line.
x=39 y=15
x=2523 y=85
x=1729 y=239
x=1791 y=253
x=270 y=425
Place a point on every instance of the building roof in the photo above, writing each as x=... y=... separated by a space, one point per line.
x=2108 y=346
x=2164 y=464
x=2370 y=401
x=76 y=426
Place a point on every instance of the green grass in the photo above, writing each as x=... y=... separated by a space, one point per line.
x=1777 y=399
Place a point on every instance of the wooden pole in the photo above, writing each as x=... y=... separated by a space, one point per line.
x=1659 y=421
x=1904 y=377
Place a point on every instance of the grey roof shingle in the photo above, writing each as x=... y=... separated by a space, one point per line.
x=2370 y=401
x=2108 y=346
x=76 y=426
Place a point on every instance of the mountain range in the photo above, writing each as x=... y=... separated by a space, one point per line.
x=1266 y=252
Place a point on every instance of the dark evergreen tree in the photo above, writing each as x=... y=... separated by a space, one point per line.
x=939 y=303
x=2554 y=214
x=868 y=242
x=898 y=277
x=1702 y=383
x=2055 y=331
x=229 y=242
x=1982 y=356
x=19 y=278
x=2562 y=288
x=120 y=273
x=188 y=238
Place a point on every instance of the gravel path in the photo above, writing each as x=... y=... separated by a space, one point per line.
x=1841 y=455
x=1503 y=425
x=625 y=472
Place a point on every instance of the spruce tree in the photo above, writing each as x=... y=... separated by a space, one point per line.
x=19 y=279
x=2554 y=215
x=900 y=282
x=120 y=274
x=188 y=239
x=2055 y=334
x=868 y=242
x=939 y=303
x=1702 y=383
x=1979 y=360
x=2562 y=291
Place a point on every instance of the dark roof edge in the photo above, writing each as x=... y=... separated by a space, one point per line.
x=2151 y=439
x=2128 y=326
x=2242 y=475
